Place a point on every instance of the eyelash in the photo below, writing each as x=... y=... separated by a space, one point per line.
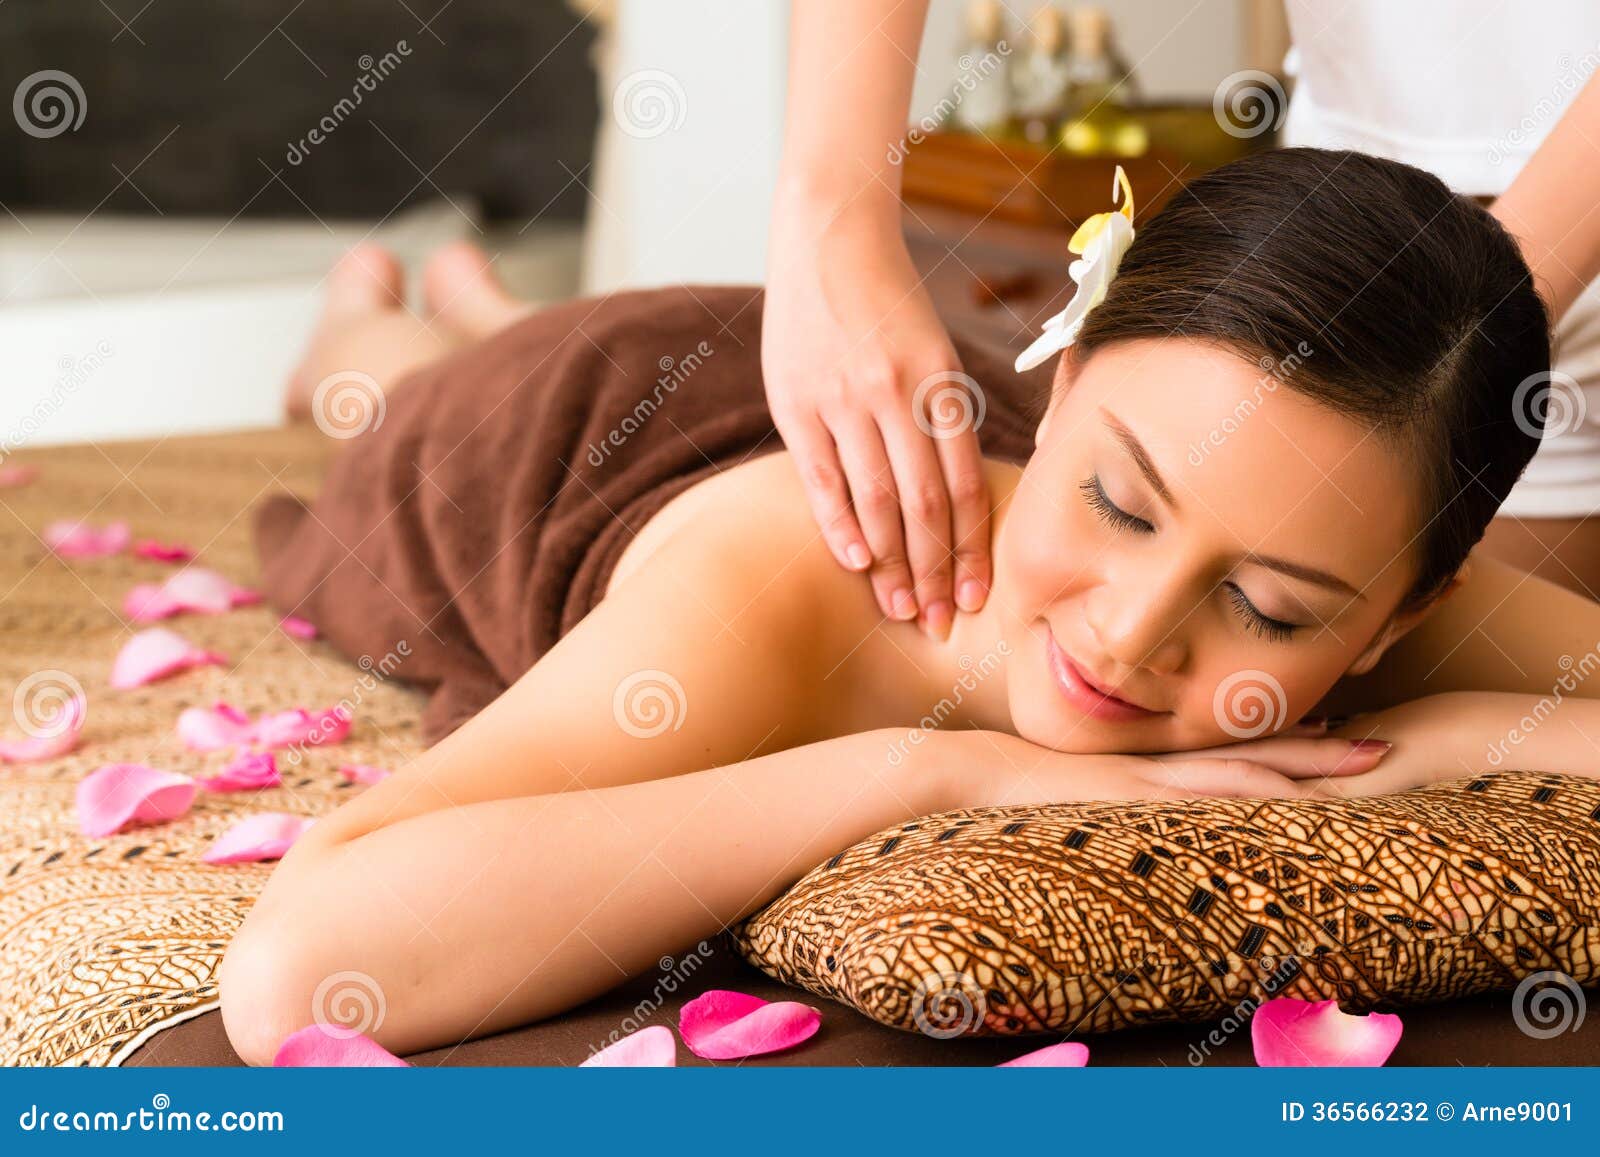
x=1274 y=630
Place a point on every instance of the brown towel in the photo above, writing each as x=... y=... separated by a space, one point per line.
x=480 y=520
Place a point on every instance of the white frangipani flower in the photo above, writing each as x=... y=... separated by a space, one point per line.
x=1102 y=240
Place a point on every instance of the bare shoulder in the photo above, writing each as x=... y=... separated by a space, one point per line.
x=1502 y=630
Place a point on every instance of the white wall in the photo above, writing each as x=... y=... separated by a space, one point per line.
x=684 y=195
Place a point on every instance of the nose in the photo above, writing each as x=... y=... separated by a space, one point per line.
x=1138 y=621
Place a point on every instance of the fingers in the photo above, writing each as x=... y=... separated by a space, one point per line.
x=826 y=491
x=1231 y=778
x=877 y=508
x=925 y=511
x=962 y=460
x=1300 y=758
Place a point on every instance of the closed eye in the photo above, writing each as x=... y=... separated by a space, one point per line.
x=1095 y=495
x=1264 y=626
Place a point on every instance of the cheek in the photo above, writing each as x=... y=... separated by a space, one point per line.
x=1247 y=689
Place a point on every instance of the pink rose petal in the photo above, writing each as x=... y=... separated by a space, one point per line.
x=59 y=736
x=1067 y=1054
x=80 y=540
x=194 y=588
x=155 y=654
x=317 y=1047
x=649 y=1048
x=12 y=476
x=263 y=836
x=364 y=773
x=162 y=551
x=214 y=728
x=1287 y=1032
x=723 y=1025
x=114 y=796
x=299 y=726
x=249 y=771
x=298 y=627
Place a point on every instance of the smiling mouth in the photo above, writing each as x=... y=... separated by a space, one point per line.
x=1088 y=696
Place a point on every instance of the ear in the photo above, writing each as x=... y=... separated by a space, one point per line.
x=1402 y=623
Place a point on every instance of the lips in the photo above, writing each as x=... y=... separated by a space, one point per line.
x=1083 y=692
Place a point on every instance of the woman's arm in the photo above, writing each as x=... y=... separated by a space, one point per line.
x=1471 y=733
x=475 y=918
x=1501 y=630
x=1550 y=206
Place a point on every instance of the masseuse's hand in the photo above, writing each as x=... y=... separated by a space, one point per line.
x=866 y=389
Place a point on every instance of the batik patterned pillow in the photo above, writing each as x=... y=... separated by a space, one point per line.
x=1089 y=917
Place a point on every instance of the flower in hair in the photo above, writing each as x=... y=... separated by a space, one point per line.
x=1100 y=241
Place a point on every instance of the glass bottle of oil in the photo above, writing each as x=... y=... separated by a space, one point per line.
x=981 y=91
x=1100 y=90
x=1041 y=78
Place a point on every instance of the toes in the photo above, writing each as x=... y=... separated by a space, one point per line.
x=368 y=277
x=461 y=289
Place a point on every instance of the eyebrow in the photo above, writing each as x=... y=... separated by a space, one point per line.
x=1141 y=459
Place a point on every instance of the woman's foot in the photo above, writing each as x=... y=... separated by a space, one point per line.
x=460 y=290
x=365 y=331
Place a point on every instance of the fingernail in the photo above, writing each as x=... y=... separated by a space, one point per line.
x=858 y=556
x=905 y=607
x=1371 y=746
x=936 y=620
x=969 y=597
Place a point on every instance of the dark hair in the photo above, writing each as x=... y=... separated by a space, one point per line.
x=1418 y=309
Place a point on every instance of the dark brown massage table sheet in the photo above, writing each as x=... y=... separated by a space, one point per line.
x=200 y=489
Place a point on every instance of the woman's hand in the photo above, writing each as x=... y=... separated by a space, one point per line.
x=996 y=769
x=867 y=391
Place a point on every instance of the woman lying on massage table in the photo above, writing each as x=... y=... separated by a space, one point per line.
x=1267 y=455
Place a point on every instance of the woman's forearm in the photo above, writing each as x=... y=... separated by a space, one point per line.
x=475 y=918
x=1555 y=732
x=1551 y=205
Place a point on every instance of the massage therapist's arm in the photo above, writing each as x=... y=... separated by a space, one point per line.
x=1551 y=205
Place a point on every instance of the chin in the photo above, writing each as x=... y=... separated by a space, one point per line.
x=1040 y=717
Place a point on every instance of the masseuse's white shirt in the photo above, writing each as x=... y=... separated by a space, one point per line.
x=1467 y=90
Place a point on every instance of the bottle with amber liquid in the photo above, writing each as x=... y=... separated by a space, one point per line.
x=1100 y=89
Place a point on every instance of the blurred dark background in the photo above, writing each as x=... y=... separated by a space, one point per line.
x=198 y=104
